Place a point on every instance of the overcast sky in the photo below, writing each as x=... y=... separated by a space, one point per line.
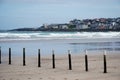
x=34 y=13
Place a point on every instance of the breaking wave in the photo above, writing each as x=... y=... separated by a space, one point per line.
x=57 y=35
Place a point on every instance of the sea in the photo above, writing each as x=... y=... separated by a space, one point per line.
x=60 y=42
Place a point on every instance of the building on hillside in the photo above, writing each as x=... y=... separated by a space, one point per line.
x=82 y=26
x=56 y=26
x=45 y=26
x=63 y=26
x=53 y=26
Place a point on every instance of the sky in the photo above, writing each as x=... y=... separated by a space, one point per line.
x=34 y=13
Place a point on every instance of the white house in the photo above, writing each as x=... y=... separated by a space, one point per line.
x=82 y=26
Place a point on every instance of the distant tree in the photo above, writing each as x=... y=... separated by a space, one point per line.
x=71 y=26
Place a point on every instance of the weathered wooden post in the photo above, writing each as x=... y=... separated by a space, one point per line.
x=39 y=58
x=105 y=62
x=53 y=59
x=70 y=63
x=86 y=61
x=0 y=55
x=24 y=57
x=9 y=56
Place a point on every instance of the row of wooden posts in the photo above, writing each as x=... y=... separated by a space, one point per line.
x=53 y=59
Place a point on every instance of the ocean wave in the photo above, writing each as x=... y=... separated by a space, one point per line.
x=58 y=35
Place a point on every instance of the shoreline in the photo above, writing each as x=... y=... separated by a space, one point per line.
x=60 y=46
x=66 y=30
x=81 y=40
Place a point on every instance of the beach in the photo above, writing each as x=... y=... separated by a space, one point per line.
x=16 y=71
x=59 y=40
x=77 y=42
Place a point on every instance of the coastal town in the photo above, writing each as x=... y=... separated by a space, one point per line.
x=76 y=25
x=98 y=23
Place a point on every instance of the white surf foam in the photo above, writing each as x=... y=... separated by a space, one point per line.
x=58 y=35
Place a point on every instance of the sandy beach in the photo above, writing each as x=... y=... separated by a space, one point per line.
x=16 y=71
x=63 y=36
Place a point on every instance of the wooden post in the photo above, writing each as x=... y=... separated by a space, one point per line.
x=53 y=59
x=105 y=62
x=70 y=63
x=86 y=61
x=39 y=58
x=9 y=56
x=24 y=57
x=0 y=55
